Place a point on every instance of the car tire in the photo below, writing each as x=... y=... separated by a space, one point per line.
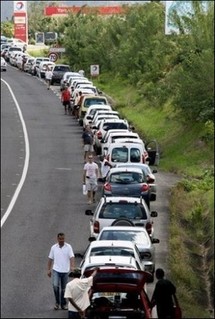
x=122 y=222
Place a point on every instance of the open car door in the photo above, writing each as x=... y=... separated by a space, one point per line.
x=153 y=151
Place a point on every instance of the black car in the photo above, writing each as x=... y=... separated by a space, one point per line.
x=58 y=72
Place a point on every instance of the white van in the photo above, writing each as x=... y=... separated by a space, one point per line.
x=123 y=152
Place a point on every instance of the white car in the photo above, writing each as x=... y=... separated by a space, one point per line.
x=66 y=76
x=28 y=64
x=114 y=136
x=3 y=64
x=19 y=59
x=98 y=114
x=76 y=95
x=106 y=125
x=42 y=67
x=36 y=62
x=127 y=152
x=101 y=117
x=109 y=262
x=137 y=235
x=87 y=87
x=91 y=112
x=111 y=248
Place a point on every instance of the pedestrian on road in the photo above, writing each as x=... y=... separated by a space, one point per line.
x=90 y=177
x=48 y=76
x=61 y=261
x=163 y=296
x=105 y=167
x=78 y=105
x=77 y=294
x=88 y=140
x=65 y=99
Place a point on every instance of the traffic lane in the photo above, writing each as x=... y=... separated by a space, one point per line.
x=51 y=201
x=12 y=148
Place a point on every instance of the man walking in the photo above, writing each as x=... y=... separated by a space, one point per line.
x=60 y=262
x=65 y=99
x=163 y=296
x=88 y=139
x=48 y=76
x=90 y=177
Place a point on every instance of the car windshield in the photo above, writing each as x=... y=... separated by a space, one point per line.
x=117 y=251
x=122 y=210
x=138 y=237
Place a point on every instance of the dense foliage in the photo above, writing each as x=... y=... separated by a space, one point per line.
x=160 y=66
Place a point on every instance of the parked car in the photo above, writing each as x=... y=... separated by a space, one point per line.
x=120 y=211
x=102 y=261
x=124 y=152
x=85 y=86
x=97 y=116
x=42 y=67
x=10 y=50
x=150 y=177
x=111 y=248
x=87 y=102
x=66 y=76
x=101 y=117
x=3 y=64
x=111 y=137
x=19 y=59
x=123 y=181
x=92 y=110
x=119 y=293
x=58 y=72
x=105 y=125
x=137 y=235
x=28 y=64
x=33 y=70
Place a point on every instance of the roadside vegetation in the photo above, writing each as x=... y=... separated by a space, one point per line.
x=164 y=85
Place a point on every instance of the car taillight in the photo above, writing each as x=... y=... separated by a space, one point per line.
x=96 y=227
x=107 y=187
x=149 y=228
x=99 y=134
x=144 y=188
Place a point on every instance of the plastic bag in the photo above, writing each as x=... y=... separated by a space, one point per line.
x=84 y=189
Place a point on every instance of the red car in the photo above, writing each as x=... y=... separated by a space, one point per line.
x=119 y=293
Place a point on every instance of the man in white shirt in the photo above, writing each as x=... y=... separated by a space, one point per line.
x=48 y=76
x=60 y=262
x=90 y=177
x=105 y=167
x=77 y=294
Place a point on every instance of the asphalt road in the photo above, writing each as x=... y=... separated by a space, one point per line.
x=51 y=199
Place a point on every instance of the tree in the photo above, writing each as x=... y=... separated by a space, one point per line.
x=7 y=29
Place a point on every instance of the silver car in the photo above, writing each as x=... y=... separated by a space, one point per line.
x=137 y=235
x=120 y=211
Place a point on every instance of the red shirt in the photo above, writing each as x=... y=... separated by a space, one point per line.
x=65 y=96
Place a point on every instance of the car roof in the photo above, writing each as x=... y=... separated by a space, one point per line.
x=124 y=228
x=119 y=279
x=116 y=199
x=111 y=243
x=125 y=169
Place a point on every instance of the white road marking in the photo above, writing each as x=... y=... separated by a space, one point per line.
x=63 y=168
x=26 y=162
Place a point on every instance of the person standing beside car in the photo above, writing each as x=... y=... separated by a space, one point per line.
x=163 y=296
x=48 y=77
x=60 y=262
x=88 y=140
x=77 y=294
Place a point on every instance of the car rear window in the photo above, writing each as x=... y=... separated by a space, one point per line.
x=112 y=126
x=123 y=210
x=61 y=68
x=122 y=155
x=138 y=237
x=89 y=102
x=117 y=251
x=126 y=178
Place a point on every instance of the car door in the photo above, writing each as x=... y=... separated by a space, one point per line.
x=152 y=148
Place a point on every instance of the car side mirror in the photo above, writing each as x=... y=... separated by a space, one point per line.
x=91 y=239
x=88 y=212
x=154 y=171
x=154 y=214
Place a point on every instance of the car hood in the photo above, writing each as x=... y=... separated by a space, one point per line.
x=114 y=280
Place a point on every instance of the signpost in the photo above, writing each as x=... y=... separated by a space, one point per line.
x=53 y=56
x=94 y=70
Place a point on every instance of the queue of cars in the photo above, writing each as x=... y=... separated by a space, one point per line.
x=121 y=241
